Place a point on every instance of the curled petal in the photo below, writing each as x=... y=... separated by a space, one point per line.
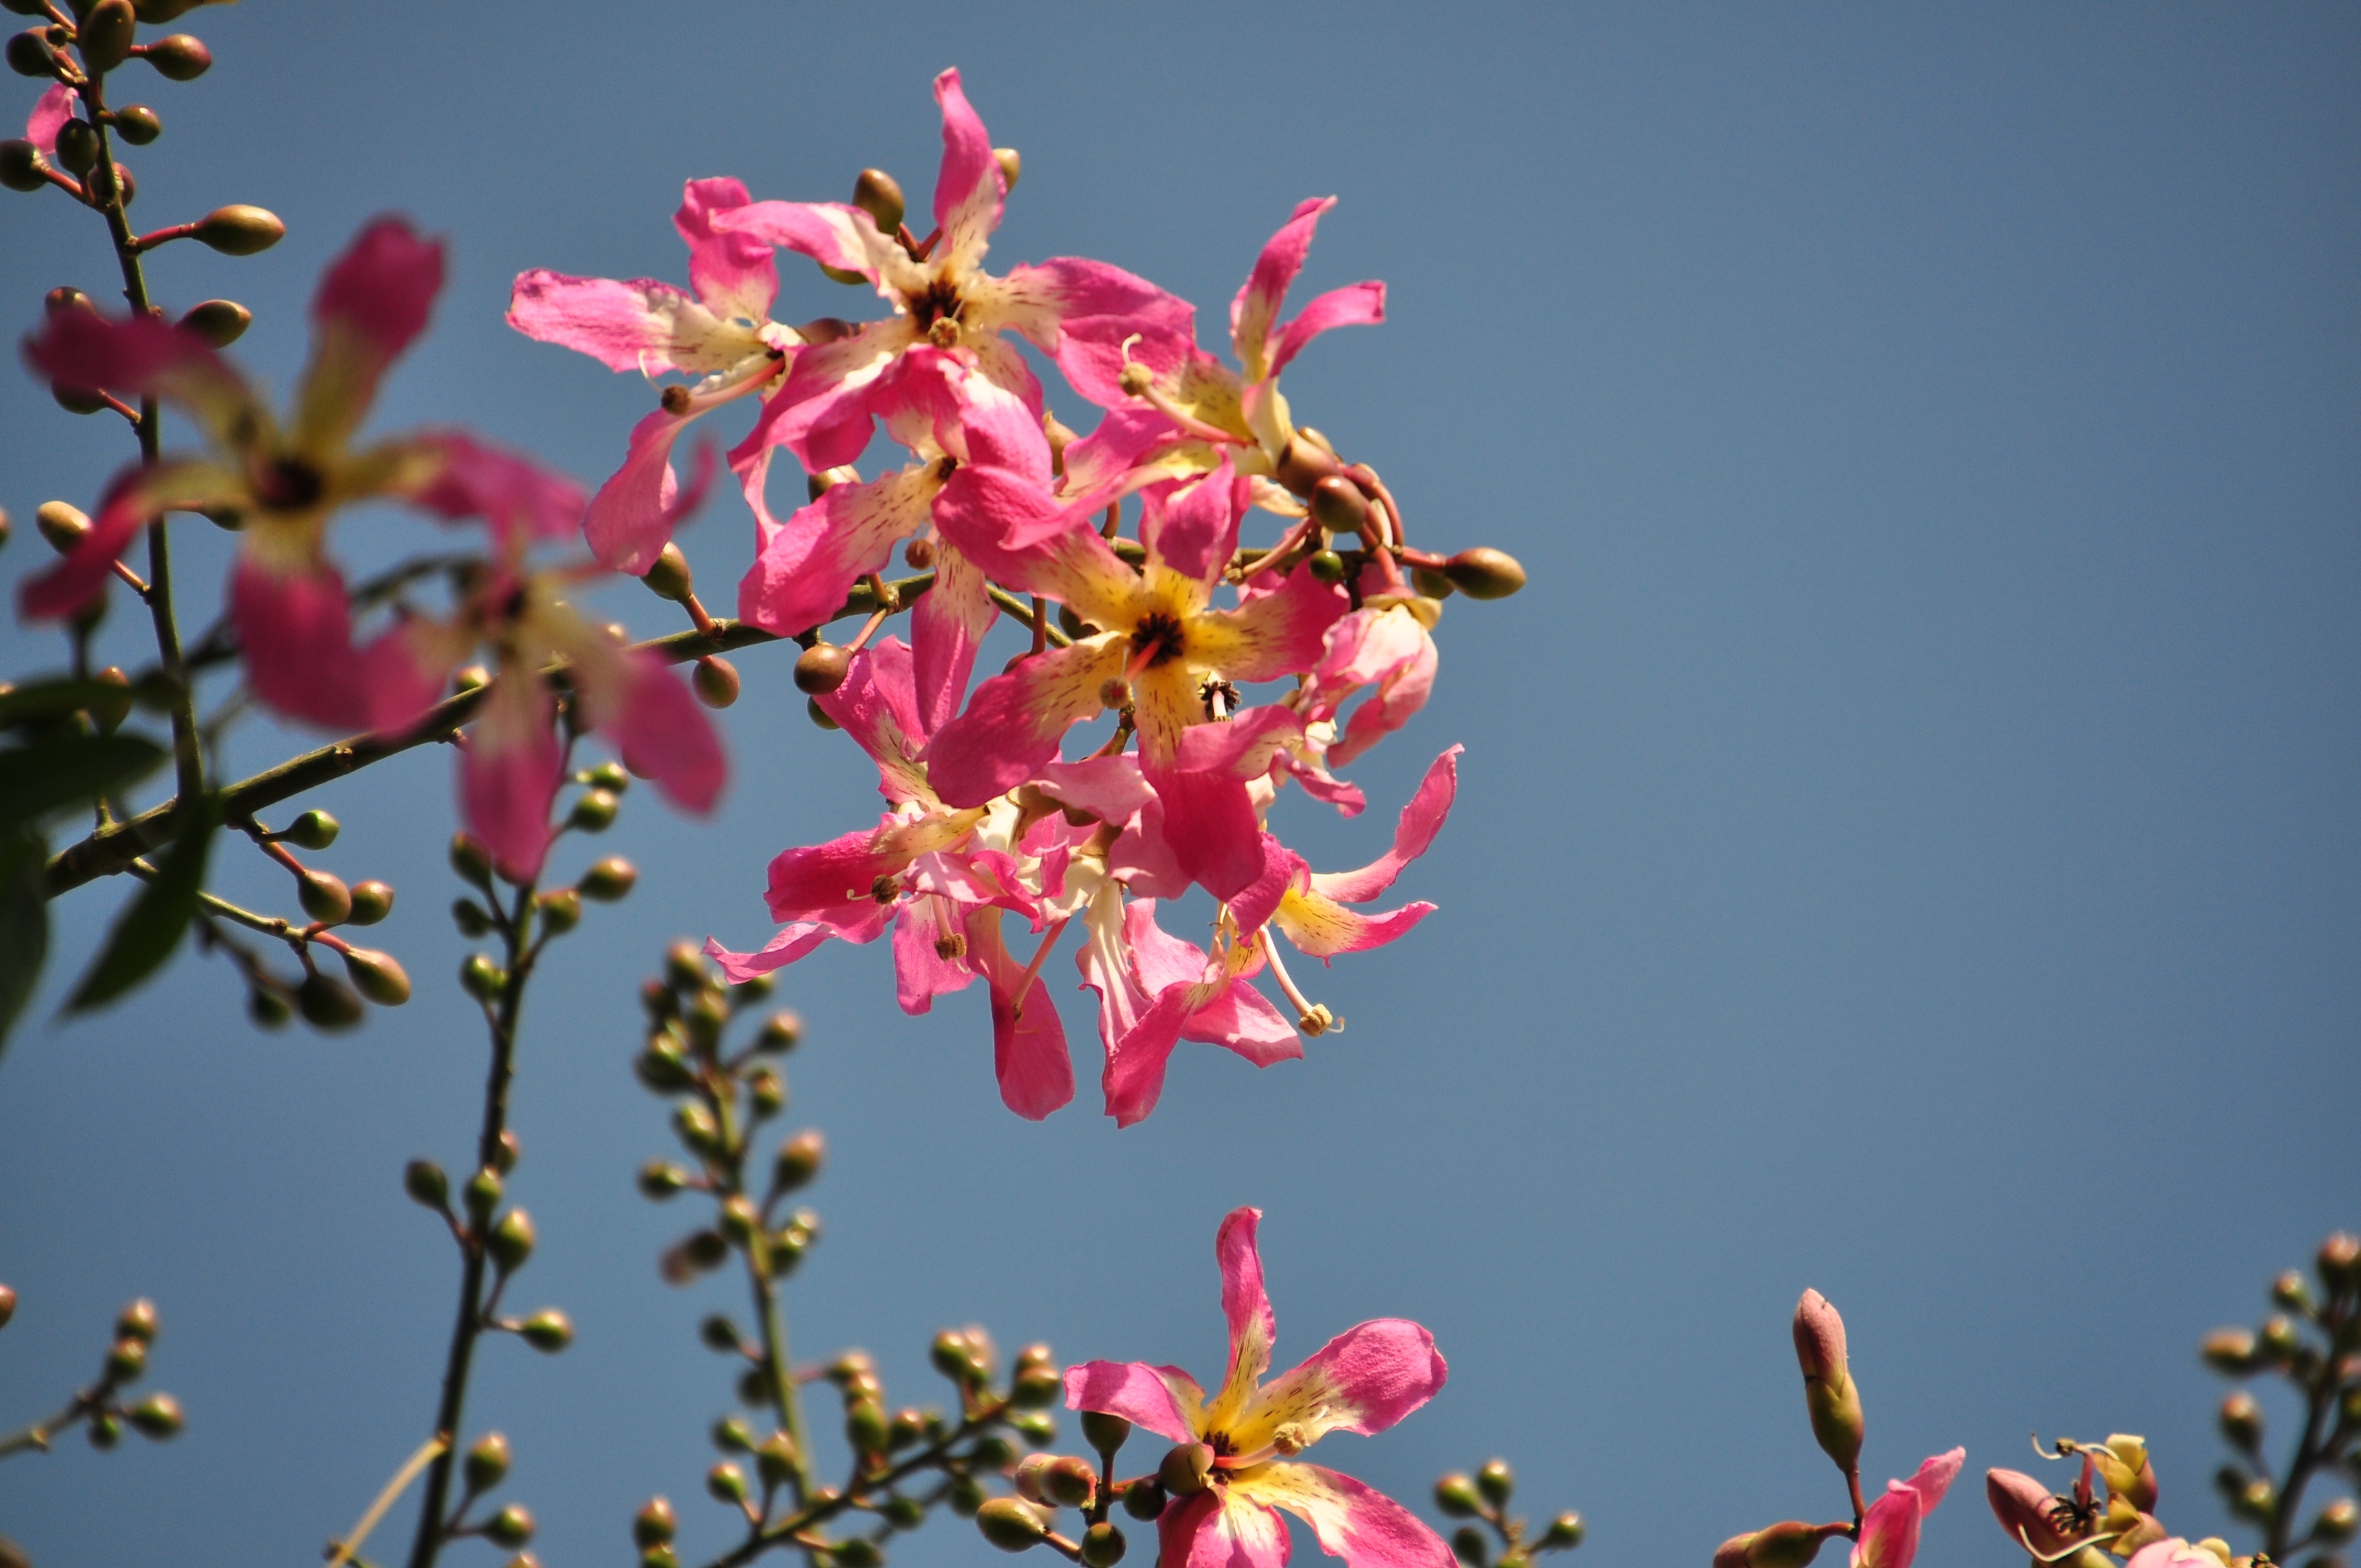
x=1094 y=319
x=519 y=498
x=134 y=497
x=948 y=629
x=639 y=324
x=1162 y=1398
x=1358 y=304
x=877 y=707
x=1422 y=819
x=1356 y=1522
x=969 y=187
x=296 y=629
x=372 y=301
x=781 y=950
x=1254 y=1327
x=631 y=518
x=732 y=271
x=803 y=566
x=1257 y=304
x=1889 y=1532
x=509 y=773
x=1028 y=1042
x=1321 y=926
x=663 y=733
x=50 y=113
x=830 y=233
x=1363 y=1381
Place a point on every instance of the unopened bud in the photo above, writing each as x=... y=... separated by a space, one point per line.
x=726 y=1483
x=654 y=1523
x=511 y=1242
x=1455 y=1494
x=372 y=902
x=506 y=1151
x=799 y=1159
x=1327 y=566
x=1011 y=1524
x=1830 y=1395
x=105 y=35
x=77 y=146
x=179 y=58
x=2242 y=1420
x=2279 y=1338
x=780 y=1032
x=864 y=1425
x=139 y=124
x=1103 y=1544
x=608 y=881
x=511 y=1526
x=2229 y=1350
x=127 y=1361
x=470 y=917
x=2289 y=1290
x=820 y=715
x=697 y=1128
x=377 y=976
x=325 y=896
x=1144 y=1498
x=1070 y=1482
x=2337 y=1521
x=876 y=192
x=561 y=910
x=424 y=1181
x=594 y=811
x=659 y=1179
x=1431 y=585
x=159 y=1416
x=2339 y=1262
x=1496 y=1481
x=1186 y=1469
x=313 y=830
x=480 y=978
x=239 y=230
x=2257 y=1499
x=1338 y=506
x=1469 y=1545
x=1790 y=1544
x=138 y=1321
x=1484 y=572
x=716 y=680
x=103 y=1431
x=30 y=54
x=1564 y=1533
x=1011 y=165
x=1304 y=464
x=1105 y=1433
x=327 y=1003
x=20 y=160
x=471 y=860
x=858 y=1552
x=488 y=1463
x=64 y=525
x=822 y=668
x=548 y=1331
x=669 y=578
x=8 y=1305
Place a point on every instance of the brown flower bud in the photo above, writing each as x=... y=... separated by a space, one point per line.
x=1070 y=1482
x=62 y=524
x=239 y=230
x=2026 y=1511
x=20 y=164
x=105 y=35
x=669 y=578
x=327 y=1004
x=77 y=148
x=609 y=880
x=8 y=1305
x=716 y=680
x=30 y=54
x=1484 y=572
x=138 y=123
x=1011 y=1524
x=2339 y=1262
x=325 y=896
x=1304 y=464
x=1186 y=1469
x=372 y=902
x=1338 y=506
x=179 y=58
x=157 y=1417
x=2229 y=1350
x=488 y=1463
x=1011 y=165
x=511 y=1526
x=822 y=668
x=876 y=192
x=377 y=976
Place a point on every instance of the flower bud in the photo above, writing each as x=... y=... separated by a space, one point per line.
x=663 y=1067
x=774 y=1456
x=2337 y=1521
x=799 y=1159
x=470 y=917
x=103 y=1431
x=1037 y=1426
x=1327 y=566
x=698 y=1129
x=1338 y=506
x=471 y=860
x=8 y=1305
x=1103 y=1544
x=561 y=910
x=548 y=1331
x=1830 y=1395
x=488 y=1463
x=768 y=1092
x=127 y=1361
x=511 y=1242
x=820 y=716
x=2256 y=1500
x=1484 y=572
x=480 y=978
x=469 y=678
x=105 y=35
x=511 y=1526
x=2289 y=1290
x=716 y=680
x=1565 y=1533
x=2026 y=1511
x=685 y=967
x=1185 y=1469
x=137 y=1322
x=77 y=148
x=821 y=668
x=780 y=1032
x=326 y=1002
x=482 y=1194
x=2278 y=1339
x=1144 y=1498
x=1105 y=1433
x=77 y=399
x=2123 y=1461
x=2229 y=1350
x=726 y=1483
x=325 y=896
x=372 y=902
x=1496 y=1481
x=653 y=1525
x=718 y=1333
x=20 y=160
x=179 y=58
x=159 y=1416
x=1011 y=1524
x=864 y=1425
x=669 y=578
x=1432 y=585
x=377 y=976
x=30 y=54
x=427 y=1186
x=594 y=812
x=139 y=124
x=858 y=1552
x=1790 y=1544
x=2339 y=1262
x=1455 y=1494
x=660 y=1181
x=1469 y=1544
x=1070 y=1482
x=1304 y=464
x=63 y=525
x=2241 y=1421
x=654 y=1557
x=876 y=192
x=239 y=230
x=608 y=881
x=313 y=830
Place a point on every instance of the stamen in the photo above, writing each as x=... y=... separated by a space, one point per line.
x=1311 y=1018
x=868 y=629
x=1033 y=970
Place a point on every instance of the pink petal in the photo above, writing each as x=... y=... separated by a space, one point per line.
x=1160 y=1398
x=1934 y=1478
x=1283 y=871
x=832 y=881
x=1143 y=861
x=993 y=429
x=1356 y=1522
x=969 y=188
x=509 y=771
x=519 y=498
x=1245 y=747
x=1028 y=1042
x=1276 y=633
x=781 y=950
x=639 y=324
x=1209 y=821
x=1365 y=1379
x=948 y=629
x=1321 y=926
x=830 y=233
x=921 y=972
x=663 y=733
x=1014 y=721
x=1257 y=306
x=381 y=288
x=1889 y=1532
x=877 y=707
x=134 y=498
x=1240 y=1019
x=1358 y=304
x=732 y=271
x=50 y=114
x=1093 y=319
x=402 y=673
x=1254 y=1327
x=1422 y=819
x=820 y=412
x=804 y=567
x=296 y=629
x=631 y=518
x=143 y=356
x=1109 y=788
x=1214 y=1530
x=1194 y=531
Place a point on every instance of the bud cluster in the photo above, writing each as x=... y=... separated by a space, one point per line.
x=322 y=1000
x=98 y=1409
x=1484 y=1498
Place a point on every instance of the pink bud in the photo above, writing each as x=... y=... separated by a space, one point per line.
x=2022 y=1503
x=1820 y=1338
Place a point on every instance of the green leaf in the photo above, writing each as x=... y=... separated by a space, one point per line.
x=70 y=770
x=24 y=926
x=146 y=932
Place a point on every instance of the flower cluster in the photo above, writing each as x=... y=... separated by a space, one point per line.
x=1002 y=801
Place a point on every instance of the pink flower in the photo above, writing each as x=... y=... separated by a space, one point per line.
x=2173 y=1552
x=286 y=597
x=1364 y=1380
x=721 y=333
x=1079 y=312
x=1383 y=645
x=1889 y=1533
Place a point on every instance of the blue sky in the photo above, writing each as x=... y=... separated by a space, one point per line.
x=1907 y=842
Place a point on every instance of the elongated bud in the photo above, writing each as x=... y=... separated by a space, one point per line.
x=1485 y=574
x=1338 y=506
x=511 y=1242
x=716 y=680
x=2242 y=1420
x=1011 y=164
x=62 y=524
x=548 y=1331
x=159 y=1416
x=372 y=902
x=127 y=1361
x=2229 y=1350
x=561 y=910
x=1304 y=464
x=2278 y=1340
x=327 y=1003
x=654 y=1523
x=669 y=578
x=424 y=1181
x=1496 y=1481
x=2022 y=1504
x=8 y=1305
x=239 y=230
x=471 y=860
x=1790 y=1544
x=1185 y=1469
x=325 y=896
x=179 y=58
x=799 y=1159
x=20 y=160
x=1455 y=1495
x=1564 y=1533
x=138 y=125
x=1011 y=1524
x=377 y=976
x=482 y=1194
x=313 y=830
x=511 y=1526
x=480 y=978
x=105 y=35
x=876 y=192
x=2338 y=1521
x=1470 y=1546
x=726 y=1483
x=488 y=1463
x=659 y=1179
x=1103 y=1433
x=609 y=881
x=30 y=54
x=2339 y=1263
x=138 y=1321
x=822 y=668
x=1830 y=1395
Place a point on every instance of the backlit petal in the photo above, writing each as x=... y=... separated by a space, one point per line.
x=1160 y=1398
x=509 y=773
x=1014 y=721
x=1220 y=1529
x=134 y=498
x=1356 y=1522
x=732 y=271
x=969 y=187
x=1252 y=1325
x=1028 y=1042
x=1422 y=819
x=1363 y=1381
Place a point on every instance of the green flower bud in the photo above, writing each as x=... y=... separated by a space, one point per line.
x=716 y=681
x=2278 y=1339
x=20 y=160
x=548 y=1331
x=1144 y=1498
x=904 y=1513
x=952 y=1354
x=780 y=1032
x=104 y=1431
x=906 y=1427
x=1036 y=1388
x=697 y=1129
x=660 y=1181
x=561 y=909
x=1564 y=1531
x=821 y=669
x=219 y=322
x=799 y=1159
x=1433 y=585
x=859 y=1552
x=237 y=230
x=2289 y=1291
x=995 y=1451
x=705 y=1017
x=607 y=776
x=669 y=578
x=471 y=861
x=1327 y=566
x=1011 y=164
x=2229 y=1350
x=138 y=125
x=313 y=830
x=812 y=710
x=327 y=1004
x=594 y=812
x=1011 y=1524
x=181 y=58
x=726 y=1483
x=965 y=1495
x=488 y=1463
x=609 y=880
x=325 y=896
x=372 y=902
x=768 y=1092
x=481 y=1195
x=1185 y=1469
x=1106 y=1434
x=1496 y=1481
x=424 y=1181
x=377 y=976
x=663 y=1067
x=1036 y=1425
x=2337 y=1521
x=653 y=1525
x=1455 y=1495
x=158 y=1417
x=1467 y=1544
x=138 y=1321
x=511 y=1242
x=732 y=1435
x=692 y=1254
x=2241 y=1421
x=77 y=149
x=1102 y=1545
x=506 y=1151
x=482 y=978
x=127 y=1361
x=684 y=967
x=470 y=917
x=62 y=524
x=1485 y=574
x=721 y=1335
x=659 y=1557
x=1070 y=1482
x=864 y=1425
x=511 y=1526
x=774 y=1458
x=875 y=191
x=2257 y=1500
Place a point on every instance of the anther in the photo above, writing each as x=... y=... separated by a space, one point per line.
x=677 y=399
